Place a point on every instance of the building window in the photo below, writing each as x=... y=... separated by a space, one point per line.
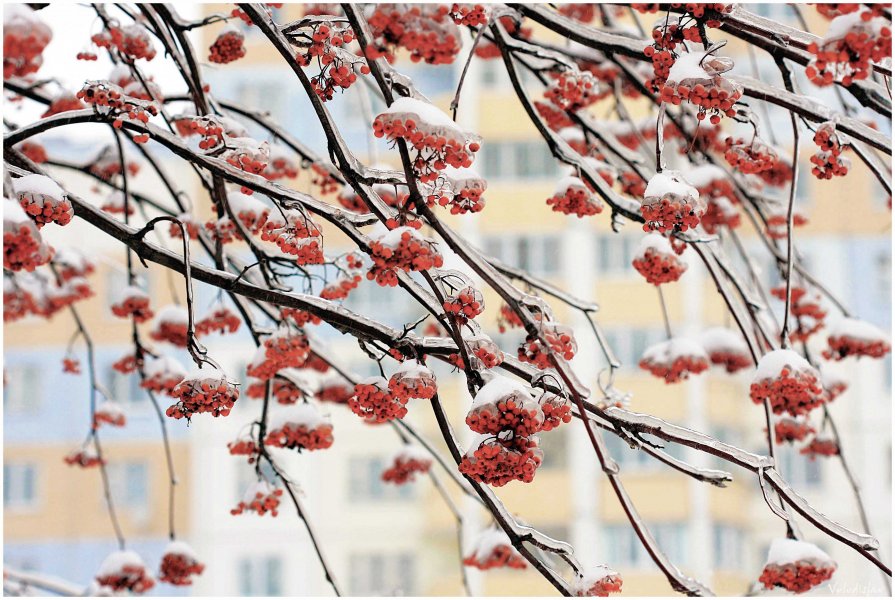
x=261 y=576
x=23 y=393
x=800 y=471
x=19 y=485
x=615 y=253
x=365 y=481
x=129 y=484
x=539 y=255
x=382 y=574
x=728 y=544
x=519 y=159
x=125 y=389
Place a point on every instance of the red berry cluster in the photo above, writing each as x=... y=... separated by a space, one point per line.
x=558 y=339
x=837 y=9
x=497 y=462
x=86 y=55
x=171 y=325
x=495 y=554
x=284 y=349
x=201 y=393
x=324 y=179
x=133 y=303
x=845 y=345
x=297 y=436
x=438 y=142
x=35 y=152
x=555 y=118
x=720 y=212
x=267 y=6
x=805 y=307
x=24 y=38
x=126 y=365
x=483 y=352
x=110 y=99
x=219 y=320
x=466 y=304
x=427 y=31
x=179 y=564
x=223 y=229
x=820 y=446
x=795 y=577
x=133 y=578
x=401 y=249
x=341 y=287
x=373 y=401
x=84 y=458
x=109 y=413
x=132 y=41
x=846 y=55
x=599 y=584
x=338 y=66
x=227 y=47
x=507 y=411
x=668 y=34
x=632 y=183
x=412 y=380
x=789 y=430
x=297 y=235
x=281 y=165
x=299 y=317
x=657 y=265
x=64 y=102
x=71 y=365
x=749 y=158
x=284 y=391
x=244 y=446
x=108 y=165
x=731 y=361
x=580 y=12
x=507 y=318
x=23 y=246
x=260 y=498
x=405 y=465
x=777 y=221
x=191 y=225
x=795 y=391
x=573 y=90
x=668 y=208
x=662 y=60
x=470 y=15
x=462 y=192
x=335 y=391
x=828 y=162
x=677 y=369
x=556 y=409
x=715 y=96
x=487 y=50
x=575 y=197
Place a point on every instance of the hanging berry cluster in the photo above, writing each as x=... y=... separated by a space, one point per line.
x=464 y=305
x=788 y=430
x=110 y=413
x=749 y=158
x=85 y=458
x=227 y=47
x=437 y=140
x=820 y=446
x=338 y=67
x=493 y=550
x=124 y=571
x=219 y=319
x=43 y=200
x=24 y=38
x=572 y=90
x=675 y=360
x=573 y=196
x=171 y=325
x=460 y=190
x=179 y=564
x=427 y=31
x=805 y=306
x=109 y=99
x=828 y=161
x=401 y=249
x=853 y=42
x=374 y=402
x=697 y=77
x=284 y=349
x=23 y=246
x=205 y=390
x=551 y=337
x=412 y=380
x=788 y=382
x=296 y=235
x=598 y=581
x=299 y=427
x=796 y=566
x=726 y=348
x=670 y=204
x=261 y=498
x=409 y=461
x=657 y=261
x=851 y=337
x=133 y=41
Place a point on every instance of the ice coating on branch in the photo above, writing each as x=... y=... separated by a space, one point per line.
x=300 y=414
x=771 y=364
x=857 y=329
x=498 y=388
x=785 y=551
x=38 y=184
x=668 y=183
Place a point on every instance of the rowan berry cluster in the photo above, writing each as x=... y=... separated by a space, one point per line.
x=657 y=262
x=505 y=409
x=171 y=325
x=720 y=212
x=726 y=348
x=696 y=77
x=251 y=212
x=71 y=365
x=675 y=360
x=179 y=564
x=552 y=337
x=497 y=462
x=556 y=119
x=470 y=15
x=300 y=427
x=789 y=430
x=23 y=246
x=131 y=40
x=284 y=349
x=572 y=196
x=412 y=380
x=507 y=318
x=853 y=42
x=671 y=204
x=853 y=338
x=227 y=47
x=296 y=235
x=749 y=158
x=24 y=38
x=107 y=98
x=458 y=189
x=788 y=382
x=805 y=307
x=110 y=413
x=599 y=581
x=219 y=319
x=406 y=464
x=401 y=249
x=827 y=161
x=223 y=229
x=64 y=102
x=126 y=365
x=579 y=12
x=464 y=305
x=374 y=402
x=267 y=6
x=820 y=446
x=260 y=498
x=572 y=90
x=777 y=221
x=338 y=66
x=299 y=317
x=437 y=140
x=85 y=458
x=204 y=391
x=427 y=31
x=483 y=353
x=281 y=165
x=796 y=566
x=124 y=571
x=33 y=151
x=335 y=390
x=244 y=446
x=493 y=550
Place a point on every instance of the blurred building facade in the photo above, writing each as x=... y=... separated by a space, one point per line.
x=383 y=540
